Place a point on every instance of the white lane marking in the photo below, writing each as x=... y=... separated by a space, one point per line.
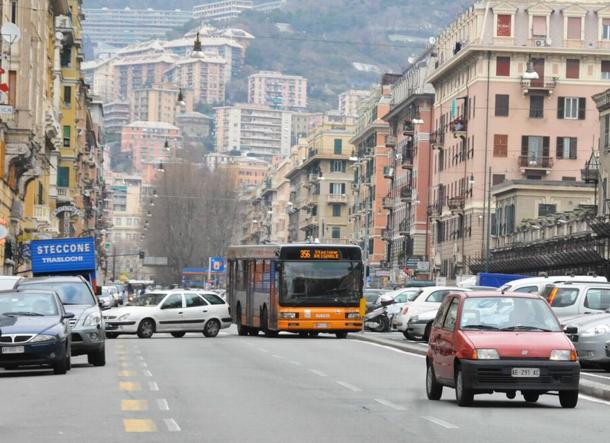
x=400 y=351
x=162 y=404
x=140 y=357
x=438 y=421
x=262 y=350
x=148 y=373
x=153 y=386
x=296 y=363
x=318 y=372
x=391 y=405
x=595 y=375
x=171 y=424
x=349 y=386
x=278 y=356
x=593 y=399
x=143 y=364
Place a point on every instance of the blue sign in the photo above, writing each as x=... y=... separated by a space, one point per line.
x=217 y=264
x=63 y=255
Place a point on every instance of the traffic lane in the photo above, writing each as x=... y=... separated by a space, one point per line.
x=374 y=366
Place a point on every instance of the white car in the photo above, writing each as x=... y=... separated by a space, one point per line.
x=401 y=297
x=537 y=285
x=176 y=311
x=8 y=282
x=430 y=298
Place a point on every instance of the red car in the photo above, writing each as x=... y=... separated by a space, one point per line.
x=485 y=342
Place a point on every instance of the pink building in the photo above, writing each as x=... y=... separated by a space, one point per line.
x=150 y=143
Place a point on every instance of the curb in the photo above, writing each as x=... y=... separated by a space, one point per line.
x=587 y=387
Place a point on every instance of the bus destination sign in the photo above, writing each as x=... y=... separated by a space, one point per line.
x=320 y=254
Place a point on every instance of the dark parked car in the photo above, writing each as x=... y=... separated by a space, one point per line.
x=88 y=336
x=34 y=330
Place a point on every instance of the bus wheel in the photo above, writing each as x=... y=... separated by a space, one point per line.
x=252 y=331
x=341 y=334
x=303 y=334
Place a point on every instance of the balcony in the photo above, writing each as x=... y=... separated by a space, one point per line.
x=406 y=194
x=388 y=203
x=456 y=204
x=541 y=85
x=437 y=138
x=42 y=214
x=337 y=198
x=408 y=128
x=404 y=228
x=459 y=127
x=388 y=172
x=529 y=163
x=390 y=141
x=386 y=234
x=64 y=194
x=407 y=156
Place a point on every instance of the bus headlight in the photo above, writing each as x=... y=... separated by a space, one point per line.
x=289 y=315
x=352 y=315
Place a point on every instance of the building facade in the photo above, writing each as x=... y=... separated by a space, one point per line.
x=159 y=103
x=277 y=90
x=149 y=143
x=221 y=10
x=349 y=101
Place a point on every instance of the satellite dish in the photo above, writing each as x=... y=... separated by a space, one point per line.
x=59 y=35
x=10 y=33
x=432 y=40
x=411 y=60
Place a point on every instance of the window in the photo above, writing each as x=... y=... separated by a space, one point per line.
x=605 y=69
x=500 y=145
x=545 y=209
x=14 y=11
x=40 y=195
x=535 y=149
x=174 y=301
x=336 y=232
x=510 y=218
x=213 y=299
x=63 y=177
x=536 y=106
x=338 y=146
x=12 y=88
x=606 y=29
x=573 y=68
x=336 y=210
x=496 y=179
x=66 y=56
x=539 y=26
x=598 y=299
x=574 y=28
x=566 y=147
x=503 y=66
x=451 y=318
x=503 y=28
x=571 y=108
x=66 y=136
x=337 y=166
x=527 y=289
x=440 y=316
x=564 y=297
x=502 y=101
x=193 y=300
x=67 y=96
x=337 y=188
x=437 y=296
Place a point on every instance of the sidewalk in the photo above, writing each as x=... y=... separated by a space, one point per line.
x=591 y=383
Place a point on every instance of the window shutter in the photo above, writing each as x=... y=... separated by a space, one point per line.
x=582 y=108
x=524 y=144
x=500 y=145
x=545 y=146
x=559 y=153
x=573 y=147
x=560 y=107
x=343 y=188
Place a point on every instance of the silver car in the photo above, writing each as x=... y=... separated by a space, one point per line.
x=419 y=325
x=591 y=335
x=570 y=299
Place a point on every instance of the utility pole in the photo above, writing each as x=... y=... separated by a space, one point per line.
x=487 y=252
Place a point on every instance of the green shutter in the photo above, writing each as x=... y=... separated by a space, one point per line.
x=338 y=146
x=63 y=177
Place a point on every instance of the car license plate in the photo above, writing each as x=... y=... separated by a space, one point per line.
x=13 y=350
x=526 y=372
x=321 y=325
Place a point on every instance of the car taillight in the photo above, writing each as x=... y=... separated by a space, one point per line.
x=404 y=310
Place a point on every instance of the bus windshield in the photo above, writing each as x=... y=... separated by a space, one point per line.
x=321 y=283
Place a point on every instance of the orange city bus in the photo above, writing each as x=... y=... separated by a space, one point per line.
x=301 y=288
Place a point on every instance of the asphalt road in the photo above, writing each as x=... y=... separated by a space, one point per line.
x=255 y=389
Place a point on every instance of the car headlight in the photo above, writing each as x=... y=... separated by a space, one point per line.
x=598 y=330
x=353 y=315
x=93 y=319
x=563 y=355
x=40 y=338
x=487 y=354
x=122 y=317
x=290 y=315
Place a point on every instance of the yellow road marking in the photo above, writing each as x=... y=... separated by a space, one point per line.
x=130 y=386
x=134 y=405
x=139 y=425
x=127 y=373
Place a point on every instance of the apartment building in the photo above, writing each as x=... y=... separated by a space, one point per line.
x=116 y=115
x=513 y=83
x=257 y=130
x=99 y=75
x=372 y=201
x=246 y=172
x=321 y=184
x=195 y=129
x=149 y=143
x=597 y=172
x=221 y=10
x=159 y=103
x=122 y=27
x=411 y=122
x=271 y=88
x=349 y=101
x=137 y=71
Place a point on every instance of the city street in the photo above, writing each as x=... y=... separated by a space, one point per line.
x=235 y=388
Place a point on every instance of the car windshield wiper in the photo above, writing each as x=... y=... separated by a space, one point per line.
x=487 y=327
x=24 y=313
x=525 y=328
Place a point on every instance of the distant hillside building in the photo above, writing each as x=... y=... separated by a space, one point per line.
x=349 y=101
x=227 y=10
x=145 y=142
x=135 y=72
x=122 y=27
x=159 y=103
x=116 y=115
x=271 y=88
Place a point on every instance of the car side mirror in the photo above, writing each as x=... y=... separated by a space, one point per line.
x=571 y=330
x=67 y=315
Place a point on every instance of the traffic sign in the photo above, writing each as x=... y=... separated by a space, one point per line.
x=217 y=264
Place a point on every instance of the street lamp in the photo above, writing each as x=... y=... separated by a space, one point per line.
x=197 y=44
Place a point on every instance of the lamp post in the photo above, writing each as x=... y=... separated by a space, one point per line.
x=590 y=174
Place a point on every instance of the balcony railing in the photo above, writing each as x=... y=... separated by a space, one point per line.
x=539 y=85
x=459 y=127
x=407 y=156
x=404 y=228
x=337 y=198
x=42 y=213
x=406 y=193
x=386 y=234
x=437 y=138
x=388 y=203
x=388 y=172
x=408 y=128
x=456 y=203
x=528 y=162
x=390 y=141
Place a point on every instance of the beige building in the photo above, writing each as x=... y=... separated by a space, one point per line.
x=600 y=172
x=159 y=103
x=349 y=101
x=136 y=71
x=99 y=75
x=321 y=184
x=271 y=88
x=513 y=83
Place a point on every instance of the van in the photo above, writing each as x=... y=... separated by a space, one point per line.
x=541 y=285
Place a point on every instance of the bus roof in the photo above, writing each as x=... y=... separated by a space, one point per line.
x=274 y=250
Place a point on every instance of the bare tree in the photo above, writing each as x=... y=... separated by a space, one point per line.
x=192 y=219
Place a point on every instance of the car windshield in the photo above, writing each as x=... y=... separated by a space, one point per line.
x=148 y=299
x=507 y=314
x=70 y=293
x=371 y=296
x=28 y=304
x=321 y=283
